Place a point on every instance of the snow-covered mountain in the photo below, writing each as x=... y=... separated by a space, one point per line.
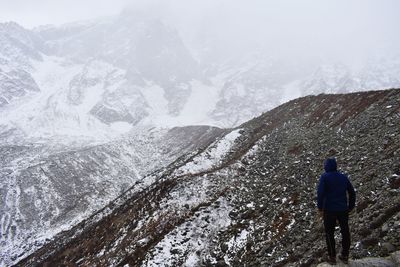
x=101 y=77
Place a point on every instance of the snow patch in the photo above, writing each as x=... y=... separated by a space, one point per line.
x=212 y=156
x=201 y=102
x=189 y=242
x=155 y=97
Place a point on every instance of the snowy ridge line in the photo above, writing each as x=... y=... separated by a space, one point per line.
x=122 y=196
x=164 y=172
x=226 y=162
x=115 y=207
x=181 y=161
x=153 y=180
x=165 y=176
x=212 y=155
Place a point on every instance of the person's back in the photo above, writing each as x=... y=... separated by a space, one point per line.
x=332 y=202
x=333 y=188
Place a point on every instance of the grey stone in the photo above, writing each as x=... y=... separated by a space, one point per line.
x=385 y=227
x=388 y=247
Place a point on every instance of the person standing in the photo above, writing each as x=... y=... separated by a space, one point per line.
x=334 y=206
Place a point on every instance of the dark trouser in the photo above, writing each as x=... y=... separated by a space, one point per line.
x=330 y=219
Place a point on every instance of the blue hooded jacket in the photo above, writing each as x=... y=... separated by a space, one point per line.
x=332 y=189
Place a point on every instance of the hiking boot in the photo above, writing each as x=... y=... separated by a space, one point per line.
x=344 y=259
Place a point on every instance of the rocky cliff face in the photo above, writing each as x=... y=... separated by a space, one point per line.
x=248 y=199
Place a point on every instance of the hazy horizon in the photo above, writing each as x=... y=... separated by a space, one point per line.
x=349 y=31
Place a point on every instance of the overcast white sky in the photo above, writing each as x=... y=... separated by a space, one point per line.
x=344 y=27
x=30 y=13
x=37 y=12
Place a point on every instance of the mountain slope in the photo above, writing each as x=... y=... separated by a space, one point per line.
x=48 y=188
x=253 y=202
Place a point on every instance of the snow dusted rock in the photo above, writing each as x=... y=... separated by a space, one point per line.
x=46 y=190
x=18 y=46
x=211 y=157
x=146 y=48
x=264 y=187
x=15 y=84
x=189 y=243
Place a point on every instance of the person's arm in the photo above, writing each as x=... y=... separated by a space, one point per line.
x=321 y=193
x=352 y=195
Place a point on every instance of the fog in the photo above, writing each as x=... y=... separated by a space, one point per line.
x=333 y=30
x=342 y=30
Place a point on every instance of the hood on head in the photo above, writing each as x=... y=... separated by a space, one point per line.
x=330 y=165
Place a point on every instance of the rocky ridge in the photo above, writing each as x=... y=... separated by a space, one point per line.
x=252 y=203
